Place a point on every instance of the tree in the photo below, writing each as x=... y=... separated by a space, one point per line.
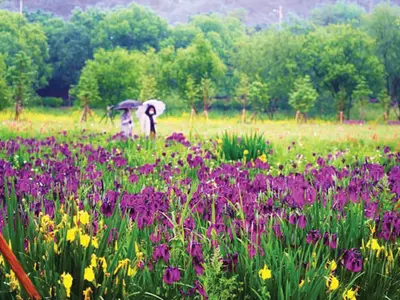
x=192 y=95
x=361 y=94
x=259 y=98
x=198 y=61
x=87 y=91
x=4 y=89
x=22 y=76
x=149 y=88
x=208 y=93
x=272 y=56
x=383 y=24
x=133 y=27
x=70 y=45
x=336 y=57
x=221 y=31
x=303 y=96
x=118 y=74
x=182 y=35
x=337 y=13
x=386 y=103
x=242 y=93
x=17 y=36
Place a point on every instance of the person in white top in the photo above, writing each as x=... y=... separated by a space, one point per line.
x=126 y=123
x=148 y=123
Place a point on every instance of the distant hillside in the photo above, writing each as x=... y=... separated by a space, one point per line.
x=258 y=11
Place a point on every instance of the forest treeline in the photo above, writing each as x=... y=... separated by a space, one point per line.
x=338 y=59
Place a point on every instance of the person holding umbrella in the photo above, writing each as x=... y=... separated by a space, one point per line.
x=127 y=123
x=147 y=114
x=126 y=117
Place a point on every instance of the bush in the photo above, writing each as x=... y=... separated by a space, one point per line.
x=52 y=102
x=251 y=146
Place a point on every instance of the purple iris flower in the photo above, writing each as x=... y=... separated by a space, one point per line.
x=352 y=260
x=330 y=240
x=161 y=252
x=171 y=275
x=313 y=236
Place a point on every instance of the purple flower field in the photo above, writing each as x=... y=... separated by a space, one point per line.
x=92 y=216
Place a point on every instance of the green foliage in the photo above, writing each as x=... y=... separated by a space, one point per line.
x=134 y=27
x=197 y=61
x=135 y=54
x=149 y=88
x=385 y=101
x=273 y=57
x=361 y=95
x=338 y=13
x=87 y=90
x=304 y=96
x=21 y=75
x=69 y=43
x=208 y=92
x=383 y=24
x=249 y=146
x=4 y=89
x=243 y=90
x=17 y=36
x=192 y=93
x=216 y=284
x=118 y=74
x=221 y=31
x=338 y=56
x=258 y=96
x=52 y=102
x=182 y=35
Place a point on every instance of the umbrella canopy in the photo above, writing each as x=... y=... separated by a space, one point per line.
x=128 y=104
x=158 y=105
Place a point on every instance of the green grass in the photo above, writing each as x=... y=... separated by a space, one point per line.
x=37 y=122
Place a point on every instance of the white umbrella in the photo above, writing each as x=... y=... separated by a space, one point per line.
x=158 y=105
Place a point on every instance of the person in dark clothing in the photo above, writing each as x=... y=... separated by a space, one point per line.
x=148 y=122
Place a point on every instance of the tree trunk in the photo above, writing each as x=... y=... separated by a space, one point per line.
x=243 y=115
x=192 y=113
x=362 y=112
x=17 y=110
x=85 y=113
x=305 y=117
x=18 y=103
x=341 y=117
x=206 y=114
x=254 y=117
x=385 y=117
x=297 y=116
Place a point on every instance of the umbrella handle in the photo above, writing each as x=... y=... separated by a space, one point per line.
x=18 y=270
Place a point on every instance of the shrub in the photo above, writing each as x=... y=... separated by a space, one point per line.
x=52 y=102
x=251 y=146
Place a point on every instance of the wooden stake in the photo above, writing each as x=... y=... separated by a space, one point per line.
x=17 y=269
x=297 y=116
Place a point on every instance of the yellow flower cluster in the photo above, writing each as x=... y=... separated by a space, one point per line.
x=67 y=280
x=373 y=244
x=47 y=228
x=12 y=281
x=82 y=218
x=350 y=294
x=332 y=282
x=263 y=158
x=265 y=273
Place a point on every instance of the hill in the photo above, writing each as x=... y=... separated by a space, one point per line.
x=175 y=11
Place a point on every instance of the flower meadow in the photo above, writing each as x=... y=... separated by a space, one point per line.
x=96 y=216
